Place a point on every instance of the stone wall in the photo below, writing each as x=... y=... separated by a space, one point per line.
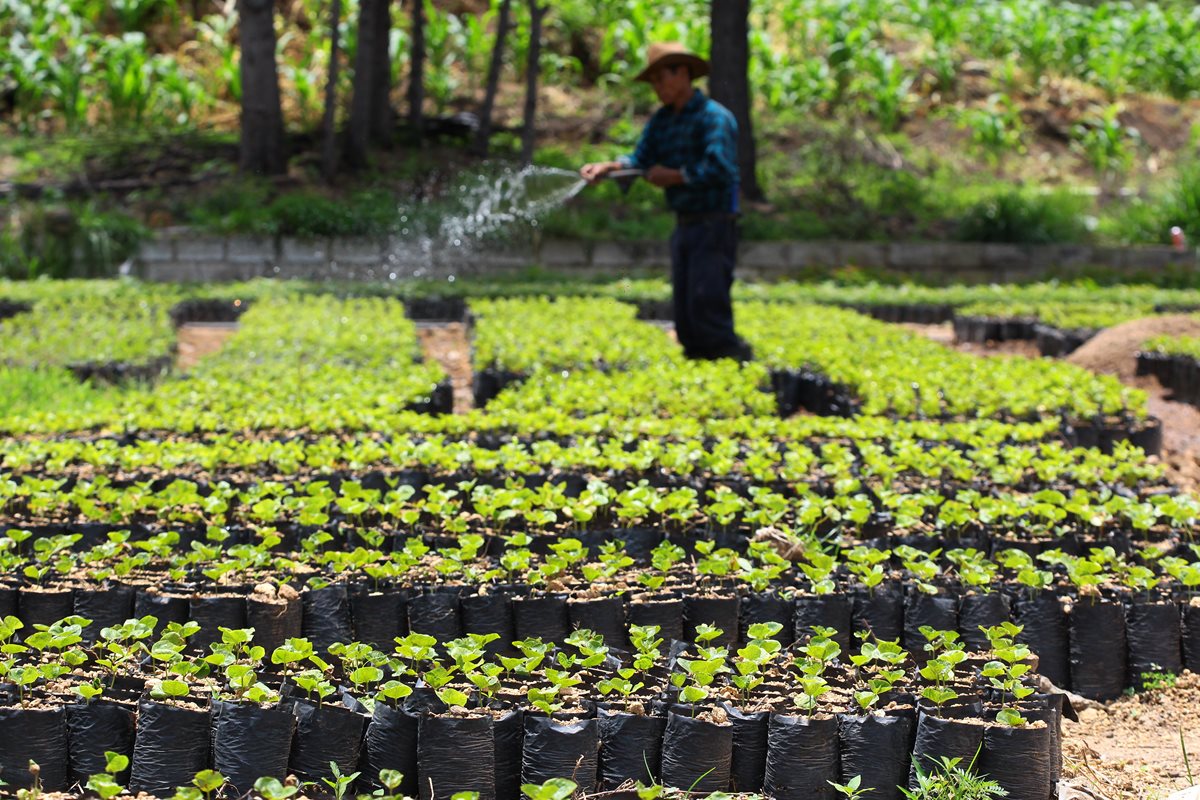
x=182 y=255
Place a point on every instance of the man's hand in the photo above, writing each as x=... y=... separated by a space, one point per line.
x=662 y=177
x=594 y=172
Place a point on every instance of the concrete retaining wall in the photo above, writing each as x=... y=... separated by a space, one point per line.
x=182 y=255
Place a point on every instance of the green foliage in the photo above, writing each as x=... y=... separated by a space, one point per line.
x=996 y=128
x=1022 y=217
x=552 y=789
x=852 y=788
x=64 y=241
x=366 y=213
x=1158 y=681
x=948 y=781
x=25 y=391
x=1107 y=143
x=252 y=207
x=273 y=789
x=1151 y=219
x=340 y=783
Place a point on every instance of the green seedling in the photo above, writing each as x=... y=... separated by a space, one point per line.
x=272 y=789
x=340 y=783
x=553 y=789
x=105 y=783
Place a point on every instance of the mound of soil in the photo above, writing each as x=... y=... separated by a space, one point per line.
x=1132 y=749
x=1114 y=350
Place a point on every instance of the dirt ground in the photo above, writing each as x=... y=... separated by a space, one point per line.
x=1134 y=748
x=449 y=345
x=1129 y=749
x=198 y=339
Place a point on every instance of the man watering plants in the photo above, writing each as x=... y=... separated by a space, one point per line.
x=689 y=148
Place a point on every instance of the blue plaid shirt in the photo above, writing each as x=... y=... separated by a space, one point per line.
x=701 y=141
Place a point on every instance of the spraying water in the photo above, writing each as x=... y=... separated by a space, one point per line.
x=476 y=212
x=495 y=204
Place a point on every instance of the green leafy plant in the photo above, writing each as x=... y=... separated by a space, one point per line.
x=105 y=783
x=552 y=789
x=340 y=784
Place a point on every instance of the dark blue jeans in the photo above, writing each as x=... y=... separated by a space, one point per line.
x=703 y=255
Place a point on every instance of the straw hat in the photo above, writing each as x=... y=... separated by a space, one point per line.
x=665 y=54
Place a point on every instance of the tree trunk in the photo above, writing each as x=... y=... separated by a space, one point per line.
x=729 y=83
x=329 y=134
x=416 y=73
x=369 y=100
x=262 y=146
x=484 y=132
x=532 y=72
x=383 y=118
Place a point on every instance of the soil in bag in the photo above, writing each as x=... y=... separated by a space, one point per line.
x=166 y=608
x=33 y=734
x=561 y=749
x=939 y=737
x=879 y=748
x=379 y=617
x=1152 y=633
x=667 y=614
x=92 y=729
x=543 y=616
x=603 y=615
x=508 y=733
x=325 y=733
x=1048 y=708
x=250 y=742
x=9 y=602
x=489 y=613
x=106 y=608
x=1191 y=635
x=767 y=607
x=630 y=747
x=47 y=607
x=391 y=743
x=747 y=770
x=697 y=754
x=802 y=758
x=1098 y=652
x=1045 y=630
x=720 y=611
x=435 y=614
x=978 y=611
x=1018 y=758
x=639 y=542
x=456 y=754
x=939 y=613
x=824 y=611
x=213 y=612
x=170 y=748
x=326 y=617
x=275 y=620
x=880 y=612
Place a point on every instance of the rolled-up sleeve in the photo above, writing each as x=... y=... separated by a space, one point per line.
x=718 y=162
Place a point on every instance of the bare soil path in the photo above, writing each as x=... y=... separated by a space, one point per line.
x=198 y=339
x=449 y=345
